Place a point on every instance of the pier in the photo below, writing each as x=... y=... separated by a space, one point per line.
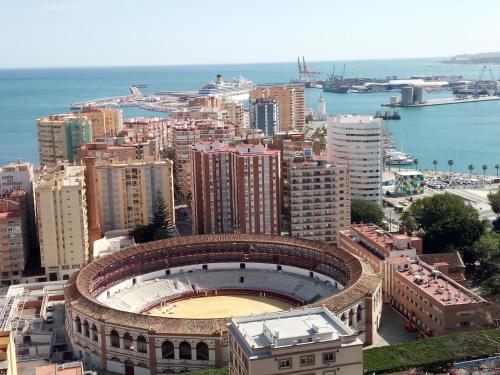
x=444 y=101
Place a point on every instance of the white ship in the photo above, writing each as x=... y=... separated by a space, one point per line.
x=237 y=89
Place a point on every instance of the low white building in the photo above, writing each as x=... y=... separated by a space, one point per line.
x=113 y=241
x=311 y=341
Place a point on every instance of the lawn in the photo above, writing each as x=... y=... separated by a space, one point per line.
x=433 y=352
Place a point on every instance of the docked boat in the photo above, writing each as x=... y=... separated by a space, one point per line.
x=237 y=89
x=387 y=115
x=394 y=157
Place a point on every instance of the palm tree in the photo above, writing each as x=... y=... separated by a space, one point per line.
x=450 y=164
x=415 y=161
x=485 y=168
x=471 y=168
x=496 y=167
x=435 y=163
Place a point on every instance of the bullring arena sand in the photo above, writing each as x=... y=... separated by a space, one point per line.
x=219 y=307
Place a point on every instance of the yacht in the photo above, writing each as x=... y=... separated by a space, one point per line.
x=237 y=89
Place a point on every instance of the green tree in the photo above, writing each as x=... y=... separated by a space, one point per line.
x=159 y=217
x=486 y=251
x=485 y=168
x=366 y=212
x=407 y=223
x=494 y=199
x=471 y=168
x=446 y=221
x=435 y=163
x=450 y=164
x=156 y=228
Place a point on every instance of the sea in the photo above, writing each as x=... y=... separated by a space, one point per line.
x=465 y=133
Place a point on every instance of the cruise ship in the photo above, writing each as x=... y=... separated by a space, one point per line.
x=237 y=89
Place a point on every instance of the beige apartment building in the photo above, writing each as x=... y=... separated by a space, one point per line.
x=8 y=362
x=105 y=121
x=124 y=192
x=61 y=208
x=307 y=341
x=60 y=136
x=317 y=197
x=291 y=99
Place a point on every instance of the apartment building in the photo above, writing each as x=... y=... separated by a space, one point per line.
x=124 y=192
x=103 y=151
x=317 y=196
x=291 y=100
x=430 y=301
x=183 y=136
x=8 y=362
x=14 y=236
x=211 y=188
x=234 y=113
x=358 y=141
x=61 y=208
x=264 y=115
x=104 y=121
x=60 y=136
x=18 y=175
x=256 y=195
x=306 y=341
x=151 y=128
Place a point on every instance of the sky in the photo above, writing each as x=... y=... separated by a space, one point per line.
x=75 y=33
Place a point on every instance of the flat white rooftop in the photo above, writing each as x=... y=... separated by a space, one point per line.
x=275 y=330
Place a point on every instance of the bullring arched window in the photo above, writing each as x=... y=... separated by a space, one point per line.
x=167 y=350
x=86 y=329
x=185 y=350
x=142 y=344
x=78 y=324
x=95 y=337
x=358 y=313
x=128 y=341
x=114 y=337
x=351 y=314
x=202 y=351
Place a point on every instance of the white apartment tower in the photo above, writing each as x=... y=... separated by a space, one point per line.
x=358 y=140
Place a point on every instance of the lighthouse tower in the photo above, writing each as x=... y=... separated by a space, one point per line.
x=321 y=108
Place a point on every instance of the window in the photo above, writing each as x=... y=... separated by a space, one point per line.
x=185 y=350
x=114 y=337
x=465 y=324
x=142 y=344
x=202 y=351
x=284 y=363
x=128 y=341
x=330 y=372
x=307 y=360
x=329 y=357
x=167 y=350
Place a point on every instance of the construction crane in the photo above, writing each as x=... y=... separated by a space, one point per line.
x=495 y=83
x=478 y=88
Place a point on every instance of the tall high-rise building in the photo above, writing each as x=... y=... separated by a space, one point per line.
x=291 y=100
x=256 y=194
x=358 y=141
x=124 y=193
x=14 y=243
x=183 y=136
x=211 y=188
x=235 y=114
x=104 y=121
x=60 y=136
x=235 y=188
x=61 y=207
x=264 y=115
x=317 y=198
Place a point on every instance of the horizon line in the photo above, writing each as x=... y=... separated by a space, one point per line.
x=213 y=64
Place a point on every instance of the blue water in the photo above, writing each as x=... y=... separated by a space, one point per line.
x=466 y=133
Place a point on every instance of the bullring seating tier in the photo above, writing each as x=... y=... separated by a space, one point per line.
x=143 y=294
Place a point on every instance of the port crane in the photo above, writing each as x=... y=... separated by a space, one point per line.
x=305 y=74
